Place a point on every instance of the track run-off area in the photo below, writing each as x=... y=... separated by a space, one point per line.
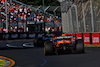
x=34 y=57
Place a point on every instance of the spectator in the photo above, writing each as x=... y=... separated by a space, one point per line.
x=60 y=28
x=17 y=17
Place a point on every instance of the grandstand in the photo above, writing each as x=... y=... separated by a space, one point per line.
x=19 y=15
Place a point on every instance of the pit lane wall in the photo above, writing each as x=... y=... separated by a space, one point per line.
x=89 y=38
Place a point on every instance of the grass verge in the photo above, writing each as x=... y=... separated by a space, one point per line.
x=2 y=63
x=90 y=45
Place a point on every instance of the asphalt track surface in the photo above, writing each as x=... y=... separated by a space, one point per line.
x=34 y=57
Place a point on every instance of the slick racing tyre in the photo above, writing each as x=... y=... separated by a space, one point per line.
x=80 y=46
x=48 y=48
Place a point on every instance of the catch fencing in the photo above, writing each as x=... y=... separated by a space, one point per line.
x=80 y=16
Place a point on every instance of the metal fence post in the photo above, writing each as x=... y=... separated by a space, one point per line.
x=6 y=16
x=67 y=17
x=92 y=16
x=44 y=16
x=64 y=22
x=10 y=2
x=76 y=18
x=55 y=10
x=84 y=17
x=68 y=21
x=38 y=8
x=46 y=9
x=0 y=14
x=71 y=19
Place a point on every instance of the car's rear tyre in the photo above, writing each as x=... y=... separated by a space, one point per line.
x=48 y=48
x=80 y=46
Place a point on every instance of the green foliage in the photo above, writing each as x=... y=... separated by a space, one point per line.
x=39 y=2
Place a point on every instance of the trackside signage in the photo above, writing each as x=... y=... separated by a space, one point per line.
x=72 y=34
x=23 y=35
x=95 y=38
x=14 y=36
x=40 y=35
x=32 y=35
x=79 y=35
x=86 y=37
x=5 y=36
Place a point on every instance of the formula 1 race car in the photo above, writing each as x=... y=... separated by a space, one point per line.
x=41 y=38
x=39 y=41
x=66 y=44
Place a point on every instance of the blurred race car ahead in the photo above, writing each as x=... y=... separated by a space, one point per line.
x=68 y=44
